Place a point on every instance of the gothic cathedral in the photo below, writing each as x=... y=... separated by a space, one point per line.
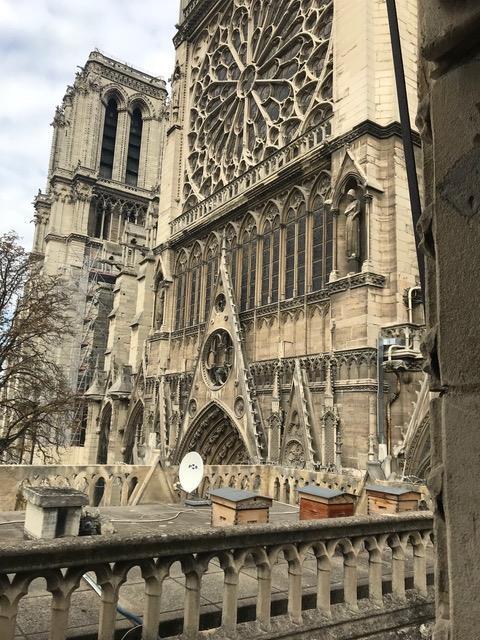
x=241 y=251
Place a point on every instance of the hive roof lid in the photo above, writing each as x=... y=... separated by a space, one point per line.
x=321 y=492
x=235 y=495
x=395 y=491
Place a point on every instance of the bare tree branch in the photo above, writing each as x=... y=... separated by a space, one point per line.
x=37 y=405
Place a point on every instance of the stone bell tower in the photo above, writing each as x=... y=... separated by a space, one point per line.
x=98 y=214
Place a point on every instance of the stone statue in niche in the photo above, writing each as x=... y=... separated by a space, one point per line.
x=159 y=306
x=352 y=230
x=175 y=99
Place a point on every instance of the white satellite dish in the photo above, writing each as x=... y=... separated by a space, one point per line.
x=190 y=472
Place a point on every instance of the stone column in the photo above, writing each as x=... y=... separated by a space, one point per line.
x=449 y=119
x=368 y=203
x=334 y=273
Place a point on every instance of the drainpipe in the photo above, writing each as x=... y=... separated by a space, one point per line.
x=389 y=411
x=380 y=394
x=410 y=302
x=381 y=344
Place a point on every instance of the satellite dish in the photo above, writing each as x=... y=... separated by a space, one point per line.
x=190 y=472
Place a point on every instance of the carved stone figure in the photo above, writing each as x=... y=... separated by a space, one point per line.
x=159 y=306
x=219 y=357
x=352 y=230
x=175 y=99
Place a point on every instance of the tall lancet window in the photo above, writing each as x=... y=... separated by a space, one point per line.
x=134 y=144
x=295 y=249
x=270 y=257
x=322 y=236
x=195 y=286
x=108 y=140
x=180 y=286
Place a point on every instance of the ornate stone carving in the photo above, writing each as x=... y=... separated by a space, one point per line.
x=192 y=407
x=218 y=358
x=294 y=454
x=239 y=407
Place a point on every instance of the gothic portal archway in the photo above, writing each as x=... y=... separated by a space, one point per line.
x=215 y=437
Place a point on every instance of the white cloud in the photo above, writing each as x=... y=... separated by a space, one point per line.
x=41 y=45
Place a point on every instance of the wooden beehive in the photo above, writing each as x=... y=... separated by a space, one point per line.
x=234 y=506
x=318 y=502
x=385 y=499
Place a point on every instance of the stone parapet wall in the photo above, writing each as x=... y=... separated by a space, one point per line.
x=105 y=485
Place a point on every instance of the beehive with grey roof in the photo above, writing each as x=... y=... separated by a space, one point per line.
x=235 y=506
x=391 y=499
x=317 y=503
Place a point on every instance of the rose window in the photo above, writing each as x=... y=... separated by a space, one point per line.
x=261 y=75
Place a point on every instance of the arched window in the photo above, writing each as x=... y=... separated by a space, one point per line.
x=249 y=266
x=211 y=270
x=295 y=231
x=322 y=238
x=270 y=260
x=181 y=277
x=134 y=144
x=108 y=140
x=232 y=255
x=195 y=285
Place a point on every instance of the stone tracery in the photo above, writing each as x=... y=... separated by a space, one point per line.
x=255 y=88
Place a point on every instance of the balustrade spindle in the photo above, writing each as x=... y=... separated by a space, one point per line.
x=230 y=601
x=191 y=620
x=10 y=595
x=60 y=611
x=375 y=592
x=154 y=577
x=108 y=612
x=295 y=591
x=264 y=597
x=420 y=568
x=398 y=572
x=324 y=573
x=350 y=579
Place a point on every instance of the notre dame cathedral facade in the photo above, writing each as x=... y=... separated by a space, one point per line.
x=246 y=243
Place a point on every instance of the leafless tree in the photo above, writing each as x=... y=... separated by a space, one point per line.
x=37 y=405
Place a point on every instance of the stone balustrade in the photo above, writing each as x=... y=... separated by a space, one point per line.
x=105 y=485
x=279 y=482
x=299 y=147
x=385 y=541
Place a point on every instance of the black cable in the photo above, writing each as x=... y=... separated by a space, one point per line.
x=410 y=164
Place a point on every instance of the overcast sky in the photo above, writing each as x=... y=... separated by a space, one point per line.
x=41 y=44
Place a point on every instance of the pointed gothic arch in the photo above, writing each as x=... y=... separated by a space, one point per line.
x=295 y=220
x=134 y=437
x=104 y=436
x=270 y=253
x=248 y=262
x=180 y=289
x=215 y=436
